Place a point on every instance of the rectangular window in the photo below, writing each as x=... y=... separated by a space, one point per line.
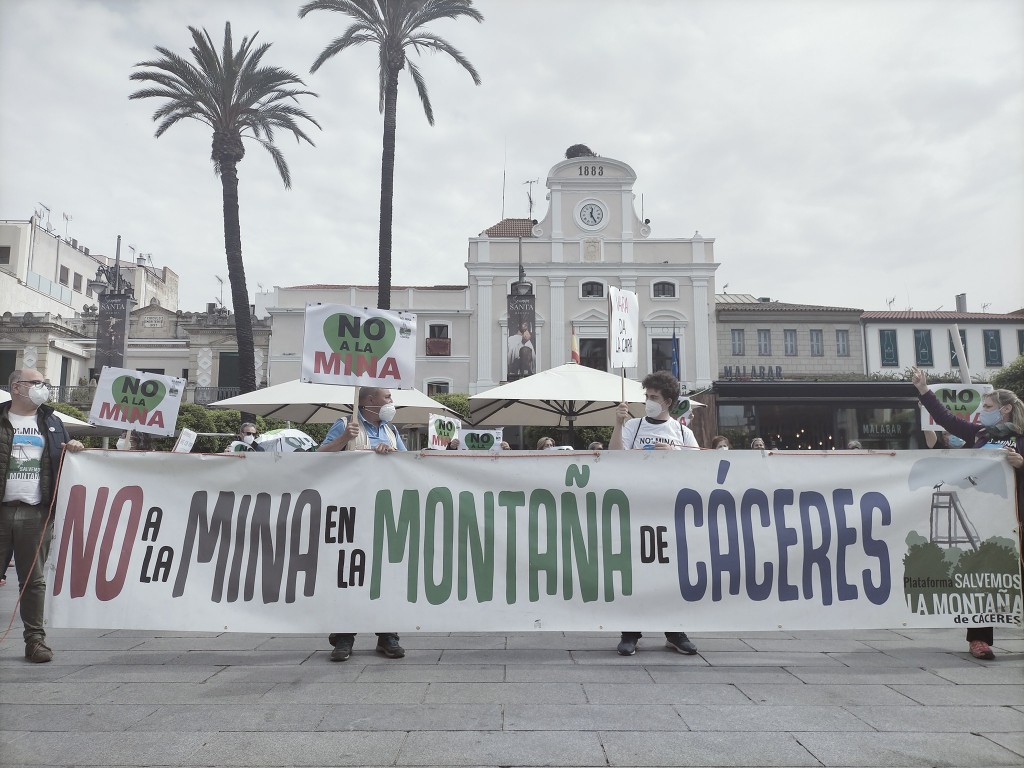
x=993 y=348
x=817 y=342
x=184 y=373
x=437 y=388
x=888 y=350
x=438 y=331
x=923 y=348
x=64 y=275
x=764 y=341
x=594 y=353
x=789 y=341
x=842 y=343
x=737 y=342
x=954 y=361
x=5 y=254
x=77 y=283
x=1020 y=342
x=661 y=354
x=437 y=342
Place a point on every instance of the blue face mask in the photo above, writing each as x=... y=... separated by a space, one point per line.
x=955 y=442
x=990 y=418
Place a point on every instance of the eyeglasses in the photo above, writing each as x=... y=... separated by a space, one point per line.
x=249 y=434
x=32 y=382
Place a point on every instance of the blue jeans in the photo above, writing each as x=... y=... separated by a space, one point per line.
x=26 y=529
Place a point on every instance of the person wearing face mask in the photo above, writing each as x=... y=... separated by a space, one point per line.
x=372 y=430
x=720 y=443
x=247 y=434
x=32 y=439
x=656 y=431
x=1000 y=427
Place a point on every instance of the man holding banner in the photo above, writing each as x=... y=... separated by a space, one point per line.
x=656 y=431
x=32 y=440
x=371 y=431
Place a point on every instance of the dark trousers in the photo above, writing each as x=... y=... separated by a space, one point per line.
x=334 y=637
x=27 y=530
x=985 y=634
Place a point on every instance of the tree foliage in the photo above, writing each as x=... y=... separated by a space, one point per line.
x=238 y=97
x=1011 y=377
x=394 y=27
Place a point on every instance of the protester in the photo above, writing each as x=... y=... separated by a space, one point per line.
x=371 y=431
x=505 y=446
x=248 y=433
x=656 y=431
x=720 y=443
x=854 y=445
x=757 y=444
x=1000 y=427
x=32 y=439
x=545 y=444
x=596 y=446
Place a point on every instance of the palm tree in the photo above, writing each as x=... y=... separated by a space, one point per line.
x=393 y=26
x=239 y=97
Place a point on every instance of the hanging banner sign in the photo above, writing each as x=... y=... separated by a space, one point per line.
x=441 y=430
x=964 y=400
x=623 y=328
x=359 y=347
x=513 y=542
x=480 y=439
x=145 y=402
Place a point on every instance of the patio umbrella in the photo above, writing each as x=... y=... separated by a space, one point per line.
x=306 y=403
x=570 y=395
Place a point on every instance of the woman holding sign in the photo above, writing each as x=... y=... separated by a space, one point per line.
x=1000 y=427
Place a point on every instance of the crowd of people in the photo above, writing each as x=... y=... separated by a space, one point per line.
x=32 y=439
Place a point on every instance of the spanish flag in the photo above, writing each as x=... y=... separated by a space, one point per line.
x=574 y=351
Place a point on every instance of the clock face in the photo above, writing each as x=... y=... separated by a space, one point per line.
x=591 y=214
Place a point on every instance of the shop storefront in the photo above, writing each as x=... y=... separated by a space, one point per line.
x=794 y=415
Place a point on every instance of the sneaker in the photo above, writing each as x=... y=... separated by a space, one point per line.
x=38 y=652
x=627 y=646
x=979 y=650
x=342 y=648
x=388 y=645
x=678 y=641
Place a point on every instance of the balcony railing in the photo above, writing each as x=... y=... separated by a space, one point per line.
x=207 y=395
x=439 y=347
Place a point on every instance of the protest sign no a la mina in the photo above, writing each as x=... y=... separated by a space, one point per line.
x=436 y=541
x=359 y=346
x=145 y=402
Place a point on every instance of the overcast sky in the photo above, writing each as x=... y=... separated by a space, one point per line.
x=856 y=153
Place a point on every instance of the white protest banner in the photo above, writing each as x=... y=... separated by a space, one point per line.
x=359 y=346
x=479 y=439
x=514 y=541
x=145 y=402
x=185 y=441
x=441 y=430
x=623 y=328
x=964 y=400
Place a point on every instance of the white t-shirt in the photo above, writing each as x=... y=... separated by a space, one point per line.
x=637 y=434
x=26 y=461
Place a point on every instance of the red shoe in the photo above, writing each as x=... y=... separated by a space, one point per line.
x=982 y=650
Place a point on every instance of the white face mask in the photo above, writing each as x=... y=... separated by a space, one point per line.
x=124 y=444
x=247 y=439
x=39 y=394
x=387 y=412
x=652 y=409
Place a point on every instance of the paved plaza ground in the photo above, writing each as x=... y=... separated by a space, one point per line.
x=861 y=698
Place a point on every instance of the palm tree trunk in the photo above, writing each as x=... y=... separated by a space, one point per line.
x=387 y=190
x=236 y=277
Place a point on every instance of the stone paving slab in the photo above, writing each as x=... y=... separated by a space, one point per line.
x=906 y=749
x=663 y=693
x=999 y=695
x=578 y=673
x=253 y=750
x=770 y=659
x=705 y=749
x=143 y=673
x=906 y=657
x=399 y=673
x=227 y=693
x=500 y=693
x=592 y=717
x=504 y=748
x=100 y=748
x=346 y=693
x=45 y=692
x=818 y=644
x=773 y=719
x=81 y=717
x=309 y=671
x=513 y=656
x=937 y=719
x=868 y=675
x=1011 y=741
x=839 y=695
x=984 y=673
x=723 y=674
